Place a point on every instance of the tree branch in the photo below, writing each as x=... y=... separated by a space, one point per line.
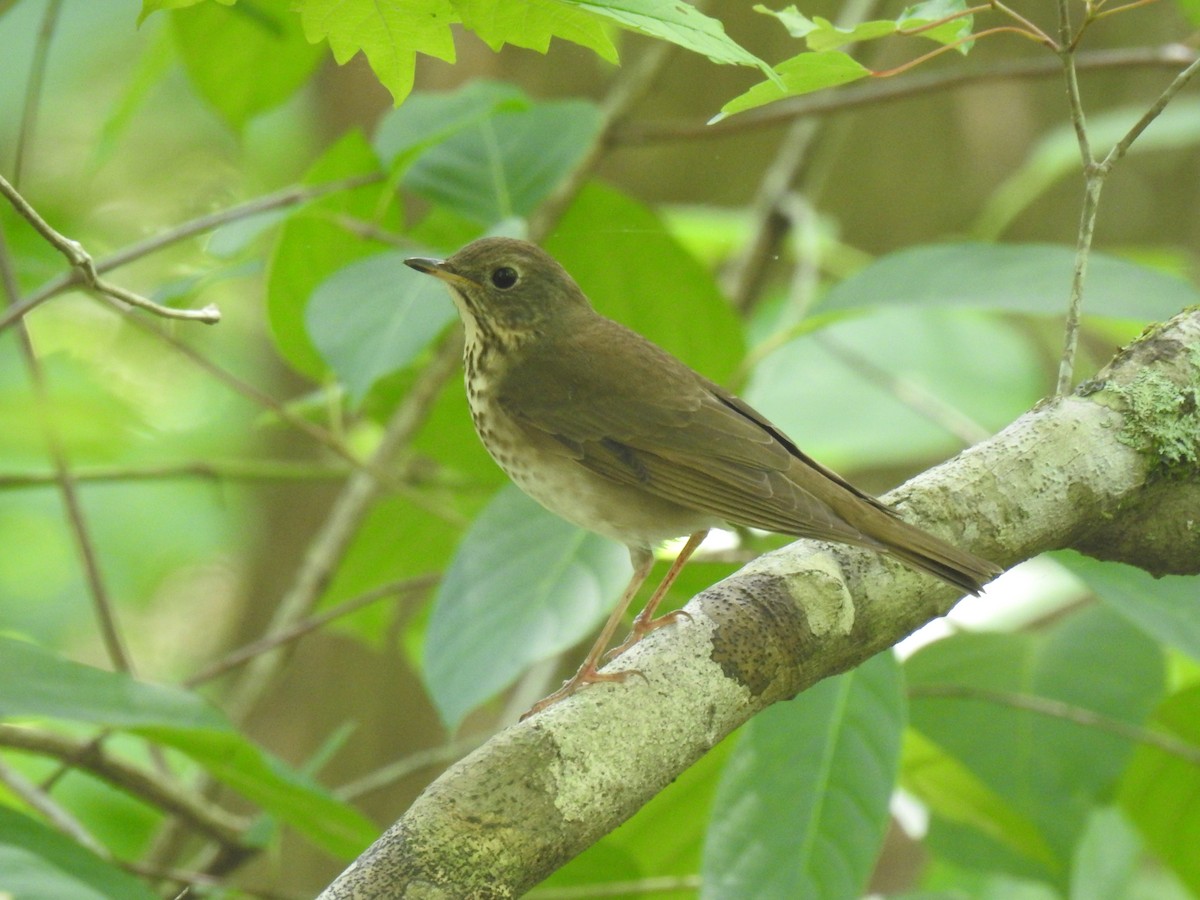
x=542 y=791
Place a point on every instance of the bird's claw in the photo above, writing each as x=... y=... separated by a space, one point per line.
x=642 y=628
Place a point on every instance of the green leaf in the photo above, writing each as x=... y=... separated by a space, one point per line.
x=803 y=804
x=40 y=684
x=373 y=317
x=37 y=863
x=646 y=280
x=846 y=393
x=1050 y=771
x=279 y=790
x=1167 y=609
x=677 y=22
x=505 y=165
x=152 y=6
x=934 y=10
x=224 y=49
x=312 y=245
x=1056 y=156
x=389 y=34
x=1029 y=278
x=801 y=74
x=1190 y=10
x=954 y=793
x=523 y=586
x=821 y=34
x=1159 y=791
x=532 y=23
x=428 y=118
x=1106 y=859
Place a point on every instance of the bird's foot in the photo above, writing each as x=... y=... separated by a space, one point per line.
x=642 y=627
x=586 y=675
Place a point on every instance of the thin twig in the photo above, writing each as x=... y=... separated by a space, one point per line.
x=401 y=590
x=330 y=544
x=1079 y=715
x=629 y=88
x=380 y=473
x=402 y=768
x=76 y=520
x=81 y=262
x=287 y=197
x=215 y=470
x=744 y=277
x=923 y=402
x=33 y=87
x=145 y=784
x=884 y=91
x=39 y=800
x=1176 y=85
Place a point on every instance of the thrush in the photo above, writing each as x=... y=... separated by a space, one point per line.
x=613 y=433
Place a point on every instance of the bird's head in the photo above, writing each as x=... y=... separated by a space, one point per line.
x=506 y=289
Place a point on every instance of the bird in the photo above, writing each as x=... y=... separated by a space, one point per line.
x=612 y=433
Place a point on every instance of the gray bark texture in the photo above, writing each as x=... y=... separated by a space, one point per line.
x=1112 y=470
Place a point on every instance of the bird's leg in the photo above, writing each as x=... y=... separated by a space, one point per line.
x=645 y=621
x=643 y=562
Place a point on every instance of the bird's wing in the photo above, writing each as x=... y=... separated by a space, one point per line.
x=645 y=419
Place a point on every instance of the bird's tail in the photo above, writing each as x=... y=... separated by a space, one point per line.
x=921 y=550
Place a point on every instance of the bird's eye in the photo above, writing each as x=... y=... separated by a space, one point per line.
x=504 y=277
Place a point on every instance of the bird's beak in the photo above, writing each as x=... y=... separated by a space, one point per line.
x=437 y=268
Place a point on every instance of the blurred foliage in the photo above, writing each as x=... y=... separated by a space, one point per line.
x=218 y=467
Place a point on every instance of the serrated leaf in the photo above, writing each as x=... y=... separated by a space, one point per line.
x=803 y=803
x=1051 y=771
x=532 y=23
x=223 y=49
x=1167 y=609
x=39 y=684
x=1028 y=278
x=523 y=586
x=801 y=74
x=389 y=34
x=373 y=317
x=505 y=165
x=1159 y=790
x=934 y=10
x=38 y=863
x=821 y=34
x=677 y=22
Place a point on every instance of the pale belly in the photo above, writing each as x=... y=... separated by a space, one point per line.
x=631 y=515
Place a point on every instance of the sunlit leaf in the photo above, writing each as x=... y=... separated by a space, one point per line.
x=801 y=74
x=532 y=23
x=389 y=34
x=223 y=49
